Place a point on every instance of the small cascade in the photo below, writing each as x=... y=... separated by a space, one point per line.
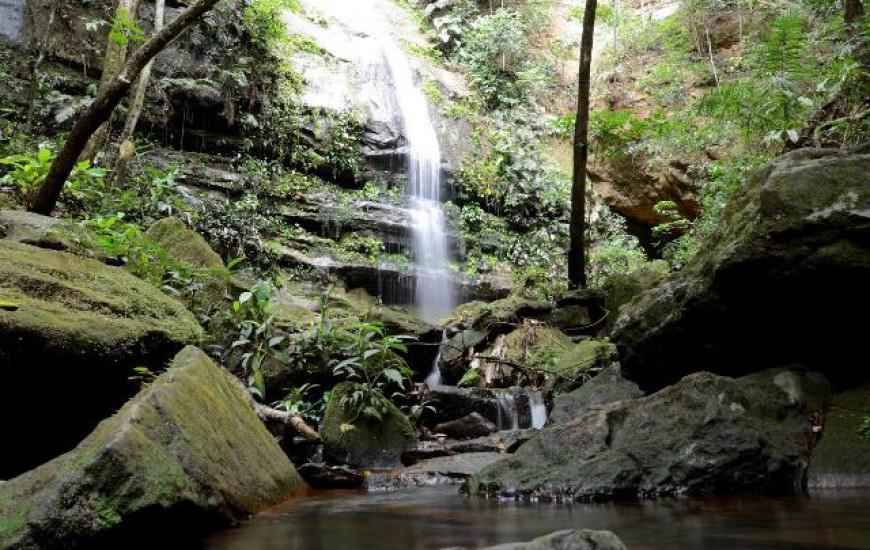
x=508 y=412
x=538 y=407
x=434 y=377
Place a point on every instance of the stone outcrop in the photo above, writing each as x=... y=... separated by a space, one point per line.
x=369 y=444
x=784 y=276
x=75 y=331
x=186 y=454
x=566 y=540
x=470 y=426
x=447 y=470
x=705 y=434
x=608 y=387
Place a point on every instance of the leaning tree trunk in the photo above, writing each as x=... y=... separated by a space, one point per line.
x=577 y=252
x=113 y=64
x=101 y=109
x=125 y=147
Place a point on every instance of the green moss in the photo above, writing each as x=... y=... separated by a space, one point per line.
x=84 y=305
x=537 y=346
x=189 y=438
x=183 y=244
x=368 y=444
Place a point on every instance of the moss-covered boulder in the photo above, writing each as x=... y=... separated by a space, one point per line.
x=842 y=457
x=187 y=247
x=369 y=444
x=187 y=452
x=784 y=275
x=73 y=331
x=183 y=244
x=705 y=434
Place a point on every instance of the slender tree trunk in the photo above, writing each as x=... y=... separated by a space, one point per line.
x=710 y=54
x=125 y=147
x=577 y=252
x=101 y=109
x=854 y=11
x=113 y=64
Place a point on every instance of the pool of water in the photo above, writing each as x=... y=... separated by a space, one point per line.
x=438 y=517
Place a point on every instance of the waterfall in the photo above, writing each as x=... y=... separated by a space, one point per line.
x=539 y=409
x=508 y=414
x=434 y=294
x=434 y=378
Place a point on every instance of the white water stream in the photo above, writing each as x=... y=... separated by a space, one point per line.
x=434 y=295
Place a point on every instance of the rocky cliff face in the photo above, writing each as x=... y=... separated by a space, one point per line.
x=783 y=280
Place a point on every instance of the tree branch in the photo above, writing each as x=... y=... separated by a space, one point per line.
x=101 y=109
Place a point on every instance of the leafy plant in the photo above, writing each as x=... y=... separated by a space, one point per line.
x=375 y=368
x=257 y=337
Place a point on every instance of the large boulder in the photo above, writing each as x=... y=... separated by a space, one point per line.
x=369 y=443
x=608 y=387
x=470 y=426
x=187 y=453
x=783 y=276
x=446 y=470
x=842 y=457
x=583 y=539
x=75 y=330
x=705 y=434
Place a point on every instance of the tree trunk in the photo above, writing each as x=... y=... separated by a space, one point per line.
x=101 y=109
x=113 y=64
x=577 y=252
x=854 y=11
x=119 y=163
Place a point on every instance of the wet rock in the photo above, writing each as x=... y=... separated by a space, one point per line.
x=424 y=451
x=187 y=453
x=566 y=540
x=842 y=458
x=369 y=444
x=608 y=387
x=322 y=476
x=447 y=469
x=470 y=426
x=705 y=434
x=504 y=441
x=452 y=403
x=80 y=328
x=782 y=276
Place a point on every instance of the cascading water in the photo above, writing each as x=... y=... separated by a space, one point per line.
x=539 y=409
x=434 y=294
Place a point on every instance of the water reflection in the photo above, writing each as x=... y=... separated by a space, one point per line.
x=433 y=518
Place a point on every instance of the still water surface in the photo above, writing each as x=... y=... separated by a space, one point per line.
x=438 y=517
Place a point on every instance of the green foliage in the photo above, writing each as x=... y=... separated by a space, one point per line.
x=257 y=337
x=124 y=30
x=300 y=400
x=375 y=368
x=864 y=429
x=27 y=172
x=673 y=222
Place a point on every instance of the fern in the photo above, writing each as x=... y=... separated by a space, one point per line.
x=784 y=48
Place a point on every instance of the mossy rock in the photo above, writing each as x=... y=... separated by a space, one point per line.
x=842 y=458
x=187 y=247
x=19 y=226
x=78 y=330
x=607 y=387
x=510 y=311
x=705 y=434
x=783 y=275
x=183 y=244
x=370 y=444
x=188 y=451
x=578 y=360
